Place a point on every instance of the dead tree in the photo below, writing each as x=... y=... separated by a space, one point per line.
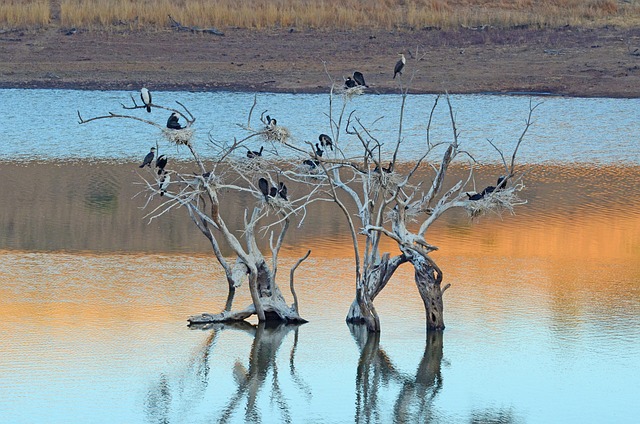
x=386 y=199
x=200 y=194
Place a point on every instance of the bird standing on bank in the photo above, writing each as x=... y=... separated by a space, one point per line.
x=145 y=95
x=399 y=65
x=149 y=158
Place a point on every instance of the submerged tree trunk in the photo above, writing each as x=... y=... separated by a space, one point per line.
x=370 y=284
x=428 y=279
x=271 y=299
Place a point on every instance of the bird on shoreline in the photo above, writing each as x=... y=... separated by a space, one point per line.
x=172 y=122
x=145 y=95
x=399 y=65
x=148 y=158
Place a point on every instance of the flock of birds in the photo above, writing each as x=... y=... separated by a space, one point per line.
x=324 y=142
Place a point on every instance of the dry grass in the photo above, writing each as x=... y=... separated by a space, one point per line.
x=24 y=13
x=323 y=14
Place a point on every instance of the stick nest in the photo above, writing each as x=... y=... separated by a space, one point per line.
x=498 y=202
x=180 y=137
x=349 y=93
x=277 y=133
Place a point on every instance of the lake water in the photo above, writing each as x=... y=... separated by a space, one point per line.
x=543 y=316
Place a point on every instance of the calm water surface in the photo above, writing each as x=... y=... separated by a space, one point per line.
x=543 y=316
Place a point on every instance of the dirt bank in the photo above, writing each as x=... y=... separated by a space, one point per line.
x=567 y=61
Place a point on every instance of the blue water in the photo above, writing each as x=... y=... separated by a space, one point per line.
x=43 y=124
x=101 y=337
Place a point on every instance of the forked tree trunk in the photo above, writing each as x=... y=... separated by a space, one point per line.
x=370 y=284
x=428 y=279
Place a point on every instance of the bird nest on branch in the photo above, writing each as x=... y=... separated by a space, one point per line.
x=498 y=202
x=349 y=93
x=277 y=133
x=180 y=137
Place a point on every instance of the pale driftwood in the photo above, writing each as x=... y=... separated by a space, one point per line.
x=179 y=27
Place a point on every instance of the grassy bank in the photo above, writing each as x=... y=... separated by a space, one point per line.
x=319 y=14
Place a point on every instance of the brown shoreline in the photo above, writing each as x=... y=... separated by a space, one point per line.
x=580 y=62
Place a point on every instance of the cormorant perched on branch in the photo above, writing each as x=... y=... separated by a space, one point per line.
x=282 y=190
x=253 y=153
x=325 y=141
x=319 y=151
x=145 y=95
x=263 y=185
x=164 y=183
x=359 y=79
x=477 y=196
x=501 y=184
x=161 y=162
x=172 y=122
x=349 y=83
x=399 y=66
x=311 y=163
x=149 y=158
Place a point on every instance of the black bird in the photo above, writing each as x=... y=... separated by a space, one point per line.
x=273 y=191
x=359 y=79
x=253 y=153
x=349 y=83
x=145 y=95
x=311 y=163
x=268 y=119
x=389 y=169
x=172 y=122
x=161 y=162
x=319 y=151
x=271 y=122
x=476 y=196
x=399 y=66
x=263 y=185
x=149 y=158
x=502 y=182
x=325 y=141
x=282 y=190
x=488 y=190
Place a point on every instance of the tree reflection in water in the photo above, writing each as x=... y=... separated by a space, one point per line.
x=414 y=400
x=379 y=384
x=261 y=377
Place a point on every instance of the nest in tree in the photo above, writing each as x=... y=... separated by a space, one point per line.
x=277 y=133
x=497 y=202
x=389 y=179
x=180 y=137
x=349 y=93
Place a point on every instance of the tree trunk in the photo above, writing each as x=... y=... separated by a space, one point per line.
x=370 y=284
x=428 y=278
x=271 y=299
